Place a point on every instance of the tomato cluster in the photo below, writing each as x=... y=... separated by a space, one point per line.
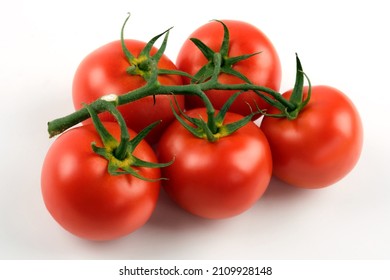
x=206 y=153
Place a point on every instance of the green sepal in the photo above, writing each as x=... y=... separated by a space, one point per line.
x=271 y=101
x=161 y=50
x=203 y=74
x=200 y=128
x=230 y=128
x=206 y=71
x=225 y=108
x=227 y=129
x=206 y=51
x=297 y=94
x=296 y=97
x=142 y=134
x=125 y=50
x=119 y=155
x=231 y=71
x=144 y=64
x=115 y=171
x=290 y=108
x=227 y=63
x=306 y=101
x=196 y=129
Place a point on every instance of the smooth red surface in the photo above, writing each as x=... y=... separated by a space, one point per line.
x=84 y=198
x=322 y=145
x=215 y=180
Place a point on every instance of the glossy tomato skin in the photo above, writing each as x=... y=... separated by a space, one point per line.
x=84 y=199
x=215 y=180
x=103 y=72
x=322 y=145
x=262 y=69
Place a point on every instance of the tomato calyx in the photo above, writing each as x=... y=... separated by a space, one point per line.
x=297 y=98
x=142 y=65
x=227 y=62
x=214 y=128
x=291 y=108
x=145 y=63
x=120 y=154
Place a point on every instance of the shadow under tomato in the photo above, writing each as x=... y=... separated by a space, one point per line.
x=278 y=190
x=169 y=215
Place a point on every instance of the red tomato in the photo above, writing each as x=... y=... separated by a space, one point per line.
x=321 y=145
x=215 y=180
x=262 y=69
x=103 y=72
x=84 y=198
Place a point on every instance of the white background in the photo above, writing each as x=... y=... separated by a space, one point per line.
x=340 y=43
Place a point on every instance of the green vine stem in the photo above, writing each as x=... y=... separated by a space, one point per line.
x=153 y=87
